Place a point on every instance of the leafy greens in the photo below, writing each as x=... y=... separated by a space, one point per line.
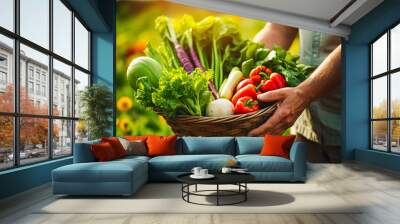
x=182 y=93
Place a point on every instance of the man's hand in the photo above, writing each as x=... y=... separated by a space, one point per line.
x=291 y=103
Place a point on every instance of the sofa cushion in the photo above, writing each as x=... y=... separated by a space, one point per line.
x=276 y=145
x=103 y=152
x=185 y=163
x=257 y=163
x=208 y=145
x=136 y=147
x=161 y=145
x=249 y=145
x=134 y=157
x=116 y=145
x=112 y=171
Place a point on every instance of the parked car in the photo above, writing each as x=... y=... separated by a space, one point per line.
x=10 y=156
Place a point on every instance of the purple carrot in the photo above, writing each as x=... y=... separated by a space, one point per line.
x=184 y=58
x=195 y=59
x=180 y=52
x=193 y=53
x=197 y=62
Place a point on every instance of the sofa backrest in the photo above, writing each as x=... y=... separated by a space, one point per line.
x=249 y=145
x=206 y=145
x=83 y=152
x=190 y=146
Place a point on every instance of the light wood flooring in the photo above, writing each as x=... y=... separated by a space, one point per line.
x=377 y=188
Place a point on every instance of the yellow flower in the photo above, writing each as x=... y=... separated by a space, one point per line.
x=124 y=104
x=123 y=124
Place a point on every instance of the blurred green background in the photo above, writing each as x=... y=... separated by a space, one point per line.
x=135 y=27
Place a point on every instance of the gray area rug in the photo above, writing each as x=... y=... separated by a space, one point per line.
x=166 y=198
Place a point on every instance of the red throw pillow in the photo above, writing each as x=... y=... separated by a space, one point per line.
x=275 y=145
x=161 y=145
x=116 y=145
x=103 y=152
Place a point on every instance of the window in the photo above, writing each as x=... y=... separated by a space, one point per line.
x=33 y=147
x=6 y=73
x=30 y=72
x=62 y=74
x=62 y=137
x=44 y=91
x=62 y=29
x=55 y=101
x=35 y=21
x=3 y=78
x=30 y=87
x=81 y=81
x=7 y=14
x=3 y=72
x=44 y=78
x=38 y=89
x=6 y=142
x=3 y=61
x=38 y=74
x=385 y=94
x=81 y=45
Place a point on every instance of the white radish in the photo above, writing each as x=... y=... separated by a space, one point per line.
x=219 y=108
x=235 y=76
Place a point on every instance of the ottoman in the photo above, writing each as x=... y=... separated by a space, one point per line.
x=119 y=177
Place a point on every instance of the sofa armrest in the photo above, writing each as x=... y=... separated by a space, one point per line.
x=298 y=157
x=83 y=153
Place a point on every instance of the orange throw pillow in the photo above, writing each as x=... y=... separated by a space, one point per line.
x=116 y=145
x=161 y=145
x=275 y=145
x=103 y=152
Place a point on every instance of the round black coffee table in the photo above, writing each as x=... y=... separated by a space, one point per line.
x=238 y=179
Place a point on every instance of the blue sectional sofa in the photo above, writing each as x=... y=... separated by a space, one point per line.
x=125 y=176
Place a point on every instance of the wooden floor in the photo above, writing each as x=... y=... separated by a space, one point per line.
x=377 y=188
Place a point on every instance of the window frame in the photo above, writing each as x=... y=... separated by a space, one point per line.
x=16 y=115
x=388 y=74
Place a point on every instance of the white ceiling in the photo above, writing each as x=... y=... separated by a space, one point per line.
x=312 y=8
x=328 y=16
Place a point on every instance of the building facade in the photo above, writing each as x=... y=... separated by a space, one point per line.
x=34 y=81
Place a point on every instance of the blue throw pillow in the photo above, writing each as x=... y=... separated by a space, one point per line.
x=208 y=145
x=249 y=145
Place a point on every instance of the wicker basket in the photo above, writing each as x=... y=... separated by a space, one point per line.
x=235 y=125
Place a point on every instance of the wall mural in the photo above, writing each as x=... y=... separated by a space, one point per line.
x=197 y=72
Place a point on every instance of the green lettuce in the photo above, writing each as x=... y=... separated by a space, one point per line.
x=182 y=93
